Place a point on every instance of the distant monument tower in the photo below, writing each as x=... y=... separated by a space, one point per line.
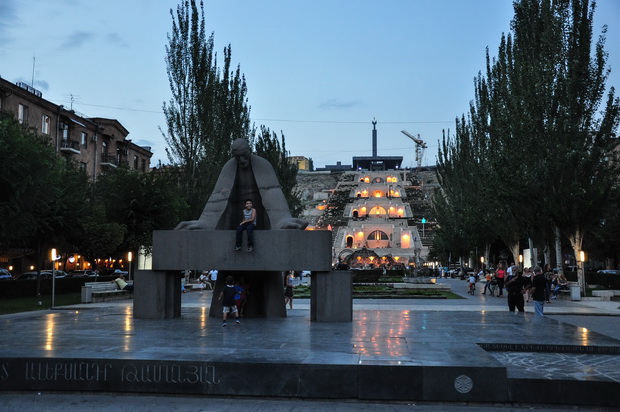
x=374 y=138
x=376 y=162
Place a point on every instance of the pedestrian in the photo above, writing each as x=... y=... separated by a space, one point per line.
x=227 y=296
x=515 y=288
x=537 y=290
x=527 y=274
x=288 y=290
x=248 y=224
x=487 y=284
x=213 y=277
x=243 y=298
x=549 y=280
x=500 y=275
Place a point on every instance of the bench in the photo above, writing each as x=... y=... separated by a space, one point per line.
x=103 y=290
x=606 y=295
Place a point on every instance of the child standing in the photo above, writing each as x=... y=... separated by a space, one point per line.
x=227 y=296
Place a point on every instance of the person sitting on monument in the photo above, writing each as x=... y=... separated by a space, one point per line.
x=248 y=224
x=246 y=176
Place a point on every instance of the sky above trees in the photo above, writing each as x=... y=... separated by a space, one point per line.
x=319 y=71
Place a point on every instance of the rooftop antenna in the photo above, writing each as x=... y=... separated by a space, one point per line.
x=419 y=147
x=33 y=61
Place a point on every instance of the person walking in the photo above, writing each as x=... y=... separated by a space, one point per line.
x=500 y=275
x=538 y=291
x=227 y=296
x=515 y=288
x=288 y=291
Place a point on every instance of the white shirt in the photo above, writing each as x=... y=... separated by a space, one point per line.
x=213 y=274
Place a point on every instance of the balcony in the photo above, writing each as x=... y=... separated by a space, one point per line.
x=109 y=160
x=70 y=146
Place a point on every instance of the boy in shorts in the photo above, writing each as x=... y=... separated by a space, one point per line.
x=227 y=296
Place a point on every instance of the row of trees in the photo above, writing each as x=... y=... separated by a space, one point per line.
x=49 y=202
x=536 y=157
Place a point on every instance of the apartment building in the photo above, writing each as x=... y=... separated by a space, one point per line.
x=94 y=144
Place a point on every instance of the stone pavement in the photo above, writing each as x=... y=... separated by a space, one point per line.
x=467 y=350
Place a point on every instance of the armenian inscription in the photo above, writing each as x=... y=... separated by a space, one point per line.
x=93 y=374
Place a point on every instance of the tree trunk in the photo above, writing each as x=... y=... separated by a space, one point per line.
x=558 y=249
x=533 y=253
x=547 y=254
x=514 y=249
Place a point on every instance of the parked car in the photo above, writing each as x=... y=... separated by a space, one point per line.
x=34 y=275
x=609 y=272
x=5 y=274
x=82 y=274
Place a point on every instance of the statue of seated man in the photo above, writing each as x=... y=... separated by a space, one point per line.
x=245 y=176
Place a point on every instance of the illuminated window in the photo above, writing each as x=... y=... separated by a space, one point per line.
x=377 y=235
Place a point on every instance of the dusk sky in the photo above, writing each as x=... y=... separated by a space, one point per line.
x=319 y=71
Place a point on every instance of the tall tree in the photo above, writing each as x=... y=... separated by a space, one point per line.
x=559 y=84
x=208 y=108
x=268 y=146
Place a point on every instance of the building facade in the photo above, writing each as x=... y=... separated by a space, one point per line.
x=94 y=144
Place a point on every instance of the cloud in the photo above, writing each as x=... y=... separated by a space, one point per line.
x=8 y=16
x=116 y=39
x=42 y=85
x=77 y=39
x=339 y=104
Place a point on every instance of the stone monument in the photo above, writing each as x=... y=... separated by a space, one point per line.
x=280 y=244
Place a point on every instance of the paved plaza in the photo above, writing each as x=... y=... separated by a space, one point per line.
x=461 y=350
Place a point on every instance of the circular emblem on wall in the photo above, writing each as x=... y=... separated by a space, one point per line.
x=463 y=384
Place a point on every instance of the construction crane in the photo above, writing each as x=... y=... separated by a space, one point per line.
x=419 y=147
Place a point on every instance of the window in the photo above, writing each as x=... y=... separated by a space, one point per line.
x=84 y=139
x=377 y=235
x=64 y=128
x=22 y=113
x=45 y=124
x=143 y=166
x=135 y=162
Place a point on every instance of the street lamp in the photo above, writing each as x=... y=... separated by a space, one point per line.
x=54 y=257
x=482 y=262
x=521 y=261
x=129 y=257
x=581 y=278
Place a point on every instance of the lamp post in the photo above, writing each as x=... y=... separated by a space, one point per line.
x=129 y=257
x=53 y=276
x=581 y=278
x=521 y=262
x=482 y=262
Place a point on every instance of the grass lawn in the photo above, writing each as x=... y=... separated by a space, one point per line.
x=385 y=292
x=16 y=305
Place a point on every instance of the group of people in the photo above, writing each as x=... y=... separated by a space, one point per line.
x=234 y=297
x=207 y=279
x=521 y=286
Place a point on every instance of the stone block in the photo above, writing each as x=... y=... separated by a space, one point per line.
x=331 y=296
x=157 y=294
x=390 y=382
x=274 y=250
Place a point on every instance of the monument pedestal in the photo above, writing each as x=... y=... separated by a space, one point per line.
x=331 y=296
x=158 y=292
